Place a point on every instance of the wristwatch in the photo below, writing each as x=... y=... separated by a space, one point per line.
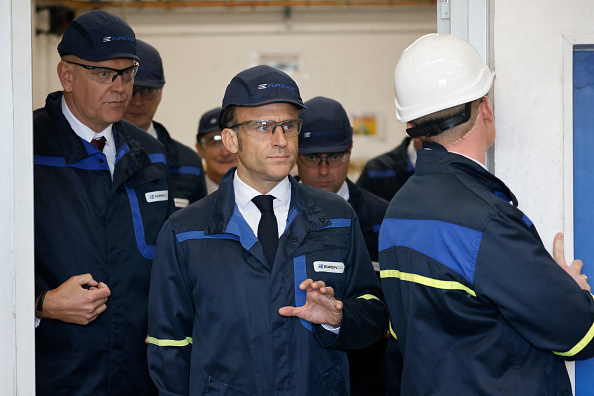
x=39 y=305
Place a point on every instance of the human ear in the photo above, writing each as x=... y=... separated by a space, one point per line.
x=486 y=109
x=230 y=140
x=66 y=75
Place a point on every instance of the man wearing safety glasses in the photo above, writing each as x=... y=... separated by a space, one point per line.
x=325 y=145
x=209 y=144
x=187 y=174
x=258 y=288
x=101 y=196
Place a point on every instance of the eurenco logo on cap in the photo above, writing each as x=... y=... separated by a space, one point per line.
x=335 y=267
x=264 y=86
x=107 y=39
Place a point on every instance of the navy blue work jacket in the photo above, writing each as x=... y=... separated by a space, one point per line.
x=385 y=174
x=370 y=210
x=478 y=305
x=87 y=223
x=214 y=324
x=188 y=183
x=367 y=365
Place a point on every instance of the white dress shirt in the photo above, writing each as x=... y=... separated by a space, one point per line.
x=344 y=191
x=86 y=133
x=152 y=131
x=249 y=210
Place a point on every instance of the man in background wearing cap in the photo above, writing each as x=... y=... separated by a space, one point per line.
x=477 y=304
x=256 y=303
x=209 y=144
x=101 y=196
x=187 y=175
x=385 y=174
x=325 y=145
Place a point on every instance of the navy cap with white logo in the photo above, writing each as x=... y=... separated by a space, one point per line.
x=97 y=36
x=150 y=72
x=209 y=122
x=261 y=85
x=326 y=127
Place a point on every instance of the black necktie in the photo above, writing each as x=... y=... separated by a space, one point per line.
x=99 y=143
x=267 y=228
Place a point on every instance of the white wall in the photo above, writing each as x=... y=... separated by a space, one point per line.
x=529 y=105
x=17 y=350
x=346 y=55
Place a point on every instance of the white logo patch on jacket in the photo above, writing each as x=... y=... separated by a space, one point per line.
x=157 y=196
x=335 y=267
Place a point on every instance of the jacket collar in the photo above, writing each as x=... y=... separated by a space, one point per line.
x=164 y=137
x=433 y=158
x=301 y=204
x=72 y=145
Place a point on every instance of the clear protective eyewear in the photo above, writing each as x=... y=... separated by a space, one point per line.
x=332 y=160
x=212 y=142
x=146 y=93
x=264 y=129
x=107 y=75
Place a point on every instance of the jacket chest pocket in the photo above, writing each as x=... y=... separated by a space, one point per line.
x=148 y=194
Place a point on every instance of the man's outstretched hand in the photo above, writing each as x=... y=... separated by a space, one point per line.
x=320 y=306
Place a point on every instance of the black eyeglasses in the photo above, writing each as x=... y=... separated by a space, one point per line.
x=332 y=160
x=264 y=129
x=147 y=93
x=107 y=75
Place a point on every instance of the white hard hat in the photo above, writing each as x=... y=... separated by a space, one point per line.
x=436 y=72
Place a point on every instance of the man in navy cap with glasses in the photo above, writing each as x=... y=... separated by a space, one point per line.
x=187 y=174
x=259 y=287
x=209 y=144
x=101 y=196
x=325 y=145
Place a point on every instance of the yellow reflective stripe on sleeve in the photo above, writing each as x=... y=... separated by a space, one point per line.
x=392 y=331
x=174 y=343
x=580 y=345
x=369 y=297
x=438 y=284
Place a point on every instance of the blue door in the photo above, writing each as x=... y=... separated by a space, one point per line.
x=583 y=184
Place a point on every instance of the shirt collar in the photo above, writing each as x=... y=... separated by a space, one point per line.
x=152 y=131
x=245 y=193
x=472 y=159
x=344 y=191
x=83 y=131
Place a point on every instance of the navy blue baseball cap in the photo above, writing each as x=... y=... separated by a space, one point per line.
x=150 y=72
x=326 y=127
x=209 y=122
x=97 y=36
x=261 y=85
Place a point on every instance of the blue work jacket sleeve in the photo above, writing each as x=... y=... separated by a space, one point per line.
x=538 y=298
x=364 y=313
x=170 y=317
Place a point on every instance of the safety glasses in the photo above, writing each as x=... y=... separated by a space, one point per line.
x=107 y=75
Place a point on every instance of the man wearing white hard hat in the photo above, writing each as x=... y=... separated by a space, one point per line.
x=477 y=304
